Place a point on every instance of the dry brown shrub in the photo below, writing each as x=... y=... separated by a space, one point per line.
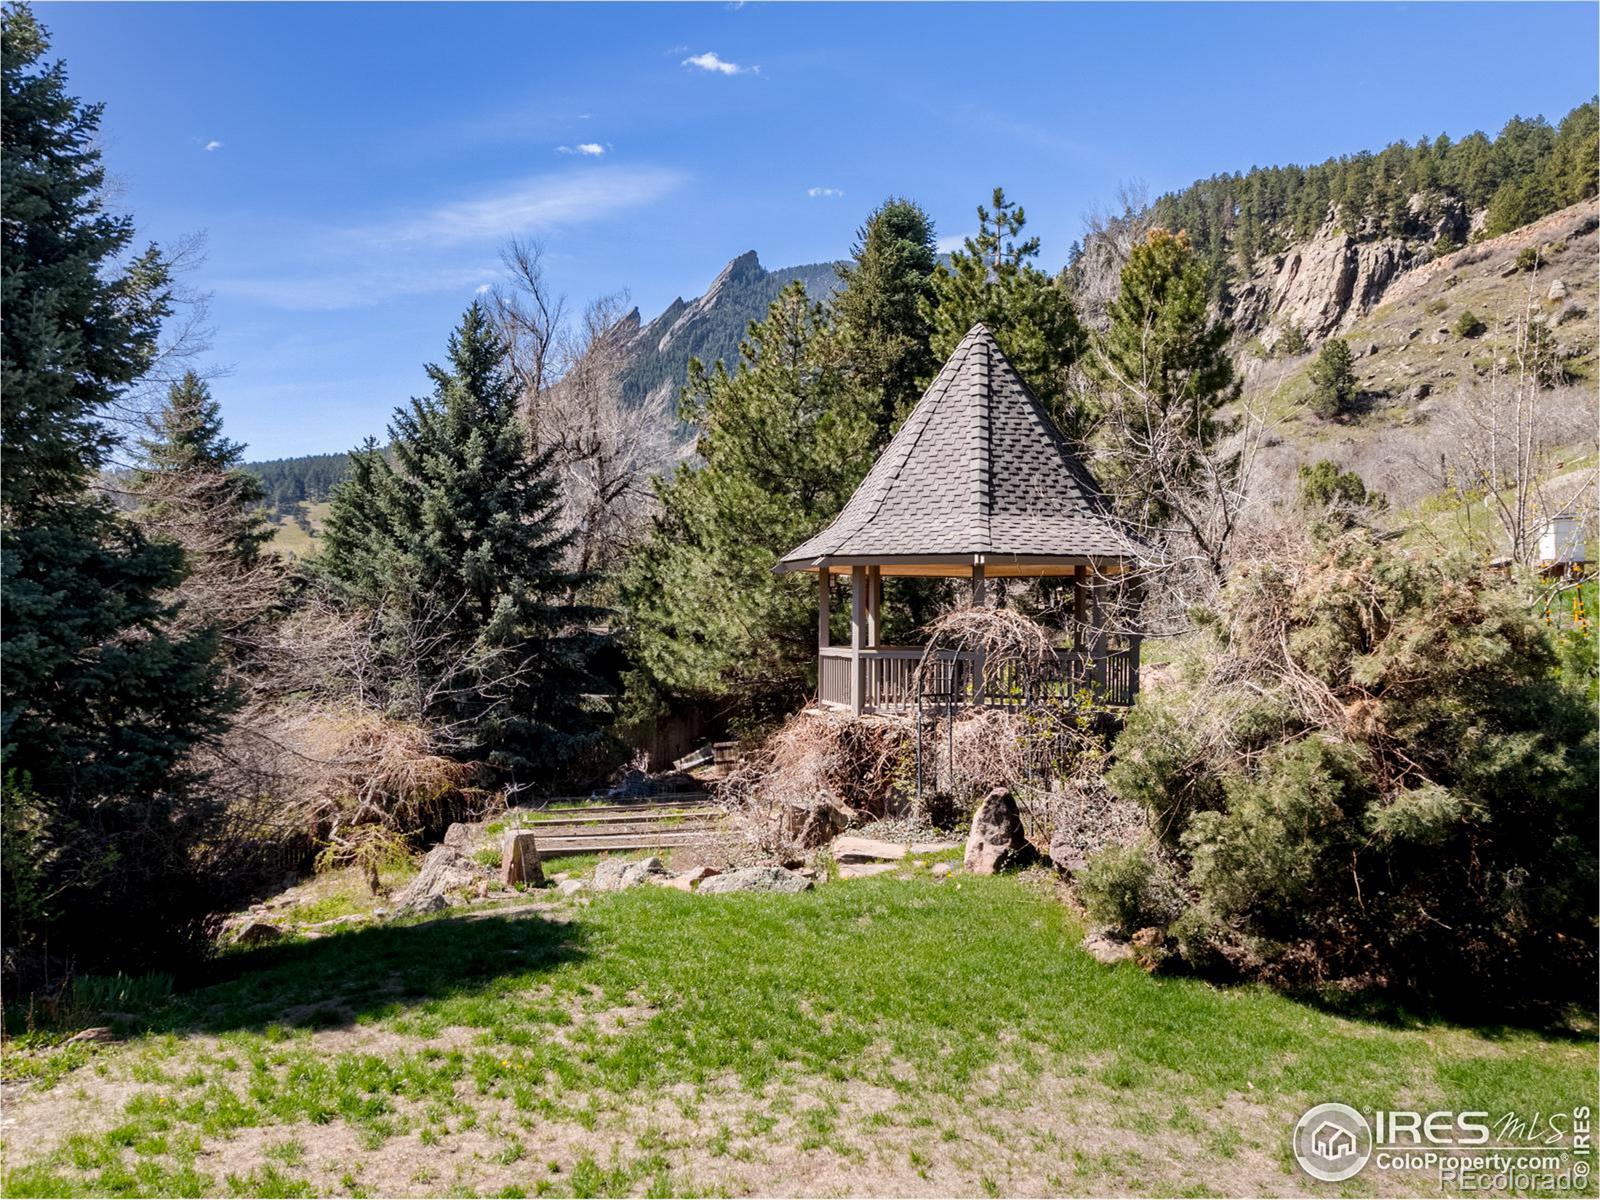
x=1015 y=650
x=816 y=776
x=322 y=776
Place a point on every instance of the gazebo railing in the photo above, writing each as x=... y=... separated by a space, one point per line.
x=889 y=678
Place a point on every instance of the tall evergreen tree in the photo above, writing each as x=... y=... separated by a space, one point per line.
x=455 y=542
x=993 y=279
x=881 y=311
x=100 y=703
x=784 y=439
x=193 y=491
x=1164 y=375
x=1574 y=168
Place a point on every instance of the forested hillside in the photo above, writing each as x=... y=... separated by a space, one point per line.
x=1473 y=186
x=306 y=477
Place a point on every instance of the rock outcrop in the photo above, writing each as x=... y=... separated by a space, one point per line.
x=756 y=879
x=616 y=875
x=997 y=840
x=446 y=872
x=1320 y=284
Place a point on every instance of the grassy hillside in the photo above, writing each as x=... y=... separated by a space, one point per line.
x=296 y=533
x=1413 y=365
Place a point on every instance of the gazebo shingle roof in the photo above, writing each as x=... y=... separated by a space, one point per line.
x=977 y=468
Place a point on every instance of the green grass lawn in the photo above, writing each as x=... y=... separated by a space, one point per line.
x=882 y=1035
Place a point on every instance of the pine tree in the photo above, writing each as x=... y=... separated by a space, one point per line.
x=455 y=543
x=993 y=279
x=1164 y=374
x=1573 y=172
x=1333 y=380
x=193 y=492
x=881 y=310
x=784 y=439
x=100 y=703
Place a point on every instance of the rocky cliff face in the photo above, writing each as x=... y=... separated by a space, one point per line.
x=709 y=327
x=1324 y=284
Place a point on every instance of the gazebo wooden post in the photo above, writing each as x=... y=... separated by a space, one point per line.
x=1097 y=635
x=979 y=588
x=824 y=596
x=858 y=631
x=1080 y=605
x=874 y=606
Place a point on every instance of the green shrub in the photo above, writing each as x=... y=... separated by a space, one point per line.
x=1528 y=258
x=1436 y=306
x=1291 y=341
x=1125 y=888
x=1469 y=326
x=1383 y=779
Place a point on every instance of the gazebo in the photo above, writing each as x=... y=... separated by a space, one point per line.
x=978 y=484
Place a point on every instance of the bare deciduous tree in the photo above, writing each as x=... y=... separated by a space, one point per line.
x=608 y=450
x=1110 y=234
x=530 y=316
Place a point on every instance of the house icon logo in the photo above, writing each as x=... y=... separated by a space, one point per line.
x=1332 y=1142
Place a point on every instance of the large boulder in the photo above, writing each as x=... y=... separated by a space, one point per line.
x=756 y=879
x=445 y=872
x=997 y=840
x=618 y=875
x=519 y=860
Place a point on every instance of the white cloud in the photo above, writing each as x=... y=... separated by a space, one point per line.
x=673 y=51
x=483 y=289
x=824 y=192
x=590 y=149
x=355 y=285
x=447 y=249
x=949 y=245
x=538 y=203
x=709 y=61
x=213 y=144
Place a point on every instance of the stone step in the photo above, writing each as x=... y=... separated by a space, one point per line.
x=665 y=817
x=860 y=849
x=558 y=846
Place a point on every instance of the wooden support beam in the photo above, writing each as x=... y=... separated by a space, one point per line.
x=858 y=633
x=824 y=595
x=977 y=583
x=1097 y=636
x=1080 y=603
x=874 y=607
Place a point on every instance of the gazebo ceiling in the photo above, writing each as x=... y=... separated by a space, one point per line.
x=977 y=475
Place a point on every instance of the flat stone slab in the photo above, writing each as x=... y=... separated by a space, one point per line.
x=860 y=870
x=860 y=849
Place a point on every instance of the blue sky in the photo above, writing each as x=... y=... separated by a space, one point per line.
x=356 y=167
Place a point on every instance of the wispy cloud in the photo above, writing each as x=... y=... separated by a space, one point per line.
x=483 y=289
x=951 y=243
x=538 y=203
x=710 y=61
x=589 y=149
x=213 y=144
x=817 y=193
x=449 y=248
x=355 y=285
